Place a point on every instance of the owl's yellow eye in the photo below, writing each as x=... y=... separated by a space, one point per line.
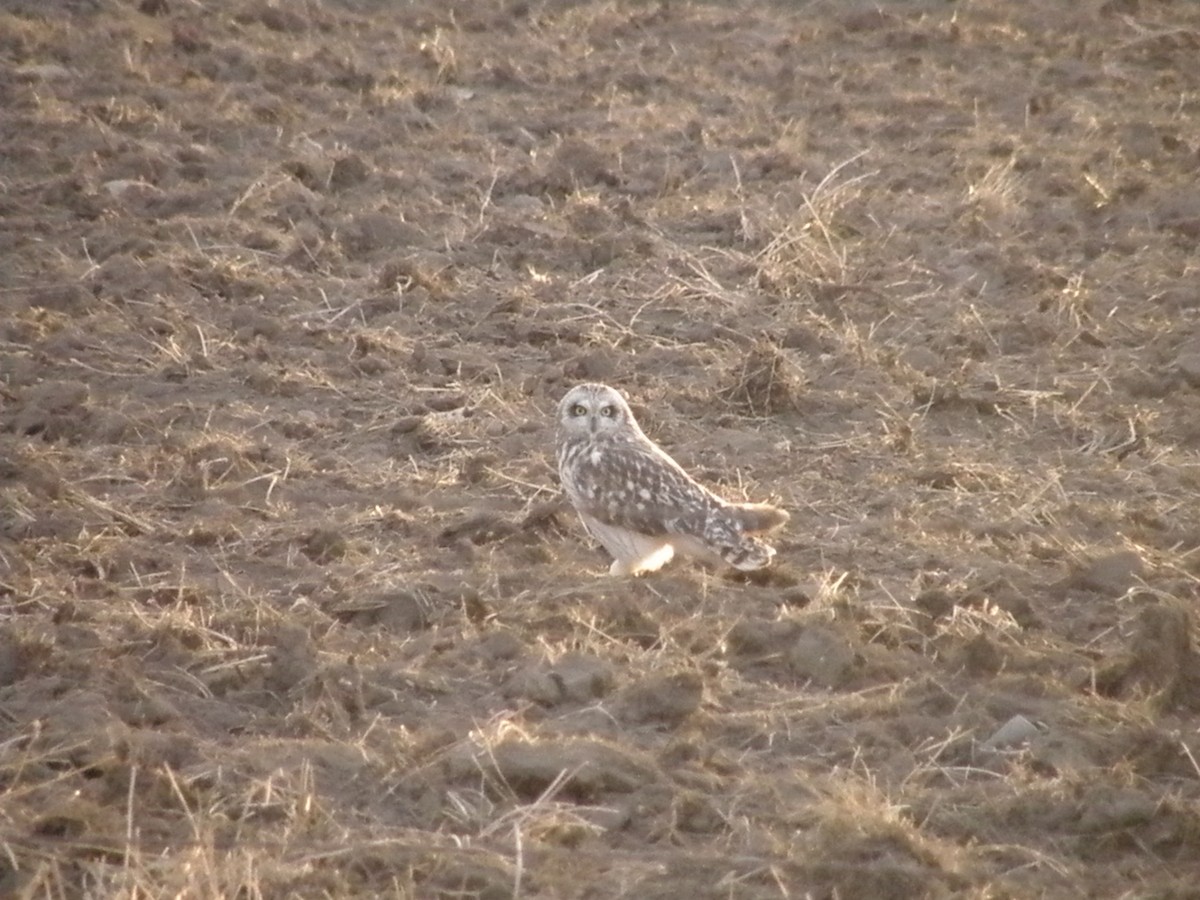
x=578 y=410
x=608 y=411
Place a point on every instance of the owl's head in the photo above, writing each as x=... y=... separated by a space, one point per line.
x=594 y=410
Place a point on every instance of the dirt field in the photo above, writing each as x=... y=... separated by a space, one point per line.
x=290 y=605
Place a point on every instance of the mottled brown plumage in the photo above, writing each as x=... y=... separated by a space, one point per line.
x=638 y=502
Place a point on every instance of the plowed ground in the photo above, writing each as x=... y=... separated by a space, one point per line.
x=289 y=603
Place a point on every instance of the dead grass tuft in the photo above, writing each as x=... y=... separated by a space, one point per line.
x=767 y=383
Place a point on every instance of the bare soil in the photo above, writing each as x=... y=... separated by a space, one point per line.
x=291 y=606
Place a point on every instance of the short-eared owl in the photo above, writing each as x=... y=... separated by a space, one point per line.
x=638 y=502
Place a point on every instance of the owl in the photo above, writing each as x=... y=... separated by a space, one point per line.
x=638 y=502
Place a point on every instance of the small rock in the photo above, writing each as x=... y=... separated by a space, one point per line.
x=1016 y=730
x=122 y=186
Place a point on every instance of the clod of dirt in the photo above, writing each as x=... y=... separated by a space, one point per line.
x=1001 y=594
x=1109 y=576
x=189 y=38
x=813 y=653
x=1108 y=809
x=1187 y=364
x=821 y=656
x=66 y=298
x=938 y=603
x=881 y=860
x=923 y=360
x=577 y=164
x=582 y=677
x=544 y=519
x=767 y=382
x=980 y=656
x=1161 y=660
x=39 y=475
x=666 y=700
x=593 y=365
x=293 y=660
x=693 y=812
x=399 y=611
x=575 y=678
x=584 y=770
x=370 y=232
x=423 y=270
x=948 y=396
x=249 y=322
x=777 y=575
x=53 y=410
x=536 y=685
x=79 y=818
x=478 y=528
x=76 y=730
x=12 y=659
x=622 y=619
x=755 y=638
x=476 y=468
x=324 y=545
x=501 y=645
x=443 y=875
x=146 y=706
x=348 y=171
x=935 y=603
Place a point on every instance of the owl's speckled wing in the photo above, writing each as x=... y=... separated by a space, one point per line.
x=634 y=485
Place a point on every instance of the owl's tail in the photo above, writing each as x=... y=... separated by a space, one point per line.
x=754 y=518
x=759 y=518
